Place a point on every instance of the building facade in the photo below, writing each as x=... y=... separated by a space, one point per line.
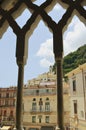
x=77 y=83
x=7 y=105
x=40 y=103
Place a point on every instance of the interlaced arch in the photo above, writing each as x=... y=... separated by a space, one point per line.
x=42 y=11
x=8 y=14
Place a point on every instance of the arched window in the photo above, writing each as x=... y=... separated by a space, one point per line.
x=34 y=106
x=47 y=99
x=34 y=99
x=47 y=106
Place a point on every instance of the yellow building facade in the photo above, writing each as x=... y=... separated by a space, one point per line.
x=40 y=103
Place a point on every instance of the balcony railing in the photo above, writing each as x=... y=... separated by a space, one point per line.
x=8 y=96
x=40 y=111
x=7 y=105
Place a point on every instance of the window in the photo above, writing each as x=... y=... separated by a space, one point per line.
x=34 y=106
x=47 y=106
x=14 y=94
x=7 y=95
x=6 y=102
x=47 y=119
x=37 y=92
x=11 y=113
x=48 y=79
x=40 y=102
x=40 y=118
x=13 y=102
x=74 y=85
x=33 y=119
x=47 y=90
x=11 y=94
x=75 y=106
x=5 y=113
x=1 y=113
x=40 y=107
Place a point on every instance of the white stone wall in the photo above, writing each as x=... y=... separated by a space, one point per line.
x=79 y=95
x=80 y=105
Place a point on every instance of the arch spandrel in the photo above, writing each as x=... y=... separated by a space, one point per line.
x=38 y=13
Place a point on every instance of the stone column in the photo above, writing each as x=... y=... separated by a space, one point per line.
x=21 y=55
x=19 y=105
x=60 y=108
x=58 y=51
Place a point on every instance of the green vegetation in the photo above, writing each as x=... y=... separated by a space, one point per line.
x=73 y=60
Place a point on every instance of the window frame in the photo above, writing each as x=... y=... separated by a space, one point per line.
x=33 y=119
x=47 y=119
x=74 y=85
x=75 y=106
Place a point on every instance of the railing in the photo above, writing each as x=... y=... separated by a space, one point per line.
x=8 y=122
x=8 y=96
x=8 y=105
x=40 y=111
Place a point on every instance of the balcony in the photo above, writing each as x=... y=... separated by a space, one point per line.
x=7 y=105
x=8 y=97
x=36 y=111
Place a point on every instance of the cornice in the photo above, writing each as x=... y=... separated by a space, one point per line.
x=79 y=69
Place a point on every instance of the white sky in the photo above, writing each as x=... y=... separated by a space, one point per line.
x=40 y=51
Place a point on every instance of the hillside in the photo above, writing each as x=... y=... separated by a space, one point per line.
x=73 y=59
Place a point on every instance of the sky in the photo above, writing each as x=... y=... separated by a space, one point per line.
x=40 y=47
